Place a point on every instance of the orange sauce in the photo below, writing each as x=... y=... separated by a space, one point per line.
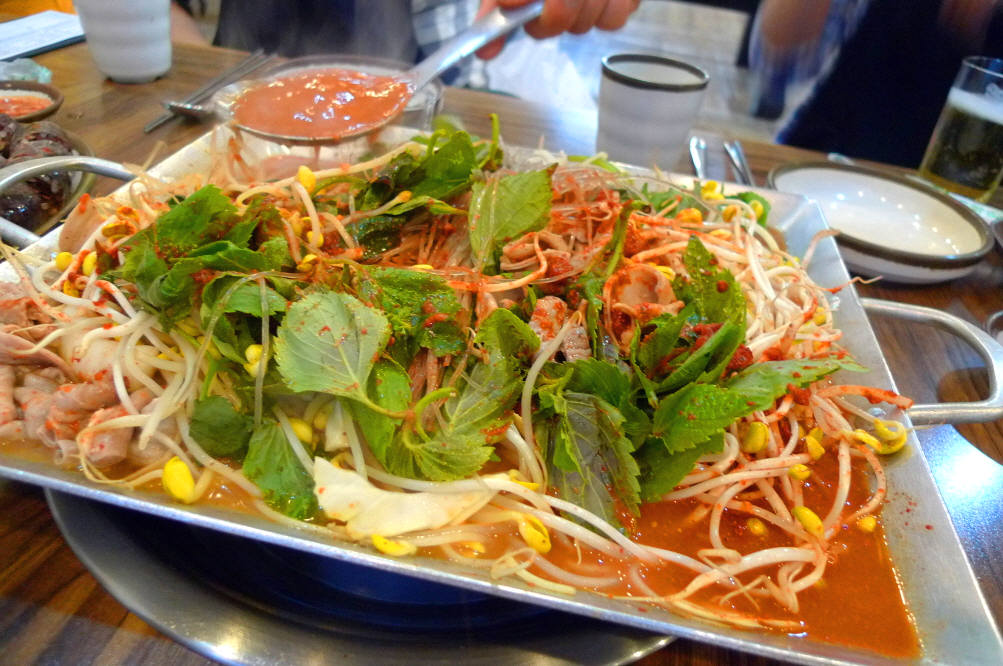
x=859 y=602
x=21 y=105
x=327 y=104
x=26 y=449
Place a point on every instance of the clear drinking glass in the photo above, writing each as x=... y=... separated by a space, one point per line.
x=965 y=154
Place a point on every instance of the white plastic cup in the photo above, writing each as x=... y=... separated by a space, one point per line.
x=130 y=40
x=647 y=106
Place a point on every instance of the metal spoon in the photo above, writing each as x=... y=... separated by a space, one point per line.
x=737 y=155
x=196 y=111
x=484 y=30
x=698 y=155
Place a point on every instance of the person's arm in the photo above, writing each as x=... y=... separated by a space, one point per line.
x=184 y=30
x=559 y=16
x=785 y=25
x=785 y=39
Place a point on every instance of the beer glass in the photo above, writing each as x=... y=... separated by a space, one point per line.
x=965 y=154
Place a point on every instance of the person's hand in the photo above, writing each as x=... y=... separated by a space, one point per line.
x=559 y=16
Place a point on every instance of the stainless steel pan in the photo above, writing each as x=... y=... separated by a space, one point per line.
x=955 y=625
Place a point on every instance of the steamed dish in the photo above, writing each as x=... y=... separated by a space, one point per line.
x=554 y=371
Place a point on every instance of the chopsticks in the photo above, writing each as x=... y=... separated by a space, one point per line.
x=249 y=64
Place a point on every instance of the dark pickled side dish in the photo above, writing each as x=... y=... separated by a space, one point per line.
x=34 y=201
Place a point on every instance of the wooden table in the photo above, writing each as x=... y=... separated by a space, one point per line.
x=52 y=611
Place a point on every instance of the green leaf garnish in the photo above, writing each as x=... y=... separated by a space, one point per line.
x=329 y=342
x=410 y=299
x=662 y=470
x=591 y=465
x=506 y=207
x=274 y=468
x=749 y=197
x=219 y=428
x=711 y=288
x=390 y=388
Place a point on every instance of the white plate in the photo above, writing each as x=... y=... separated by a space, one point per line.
x=890 y=226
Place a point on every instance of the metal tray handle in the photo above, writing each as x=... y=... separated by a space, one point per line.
x=19 y=236
x=988 y=348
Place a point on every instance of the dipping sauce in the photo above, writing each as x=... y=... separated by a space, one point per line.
x=328 y=104
x=20 y=103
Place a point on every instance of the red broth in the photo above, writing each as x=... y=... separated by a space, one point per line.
x=327 y=104
x=21 y=105
x=859 y=602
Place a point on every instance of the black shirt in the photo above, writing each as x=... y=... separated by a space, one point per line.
x=888 y=85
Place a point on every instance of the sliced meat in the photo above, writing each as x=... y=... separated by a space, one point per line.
x=108 y=447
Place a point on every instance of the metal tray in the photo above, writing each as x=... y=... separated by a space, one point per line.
x=247 y=603
x=954 y=623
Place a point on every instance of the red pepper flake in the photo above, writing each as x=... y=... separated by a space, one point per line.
x=740 y=360
x=795 y=374
x=773 y=354
x=929 y=527
x=691 y=417
x=801 y=396
x=435 y=319
x=722 y=286
x=326 y=329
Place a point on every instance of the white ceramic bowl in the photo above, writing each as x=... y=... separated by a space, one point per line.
x=889 y=226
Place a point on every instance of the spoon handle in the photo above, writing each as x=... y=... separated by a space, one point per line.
x=19 y=237
x=737 y=155
x=489 y=27
x=698 y=155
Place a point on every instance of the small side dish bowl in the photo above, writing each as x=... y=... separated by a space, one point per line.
x=890 y=226
x=13 y=94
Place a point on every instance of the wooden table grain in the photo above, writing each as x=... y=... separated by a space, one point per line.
x=52 y=611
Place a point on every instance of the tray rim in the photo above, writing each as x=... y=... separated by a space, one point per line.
x=105 y=555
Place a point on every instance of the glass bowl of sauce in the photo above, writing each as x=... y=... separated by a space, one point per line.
x=29 y=101
x=320 y=99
